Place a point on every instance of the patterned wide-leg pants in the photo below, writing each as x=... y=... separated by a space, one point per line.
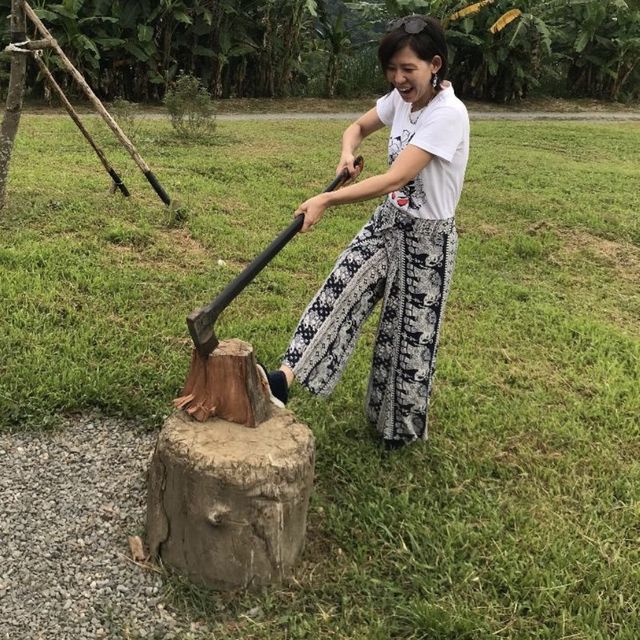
x=408 y=263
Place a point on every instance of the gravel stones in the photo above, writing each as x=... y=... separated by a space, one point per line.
x=68 y=502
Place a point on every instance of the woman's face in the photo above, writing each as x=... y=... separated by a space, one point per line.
x=411 y=76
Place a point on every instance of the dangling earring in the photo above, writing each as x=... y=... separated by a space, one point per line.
x=435 y=80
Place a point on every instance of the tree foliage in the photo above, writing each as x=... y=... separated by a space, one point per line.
x=500 y=49
x=599 y=42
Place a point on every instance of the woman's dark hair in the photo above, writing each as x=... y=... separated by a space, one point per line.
x=424 y=35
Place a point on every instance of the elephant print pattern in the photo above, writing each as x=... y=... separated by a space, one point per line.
x=407 y=263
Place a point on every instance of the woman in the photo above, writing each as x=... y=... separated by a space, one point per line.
x=405 y=254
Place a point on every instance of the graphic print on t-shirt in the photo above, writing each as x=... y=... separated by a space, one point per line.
x=412 y=196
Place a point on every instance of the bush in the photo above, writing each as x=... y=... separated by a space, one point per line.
x=190 y=106
x=126 y=114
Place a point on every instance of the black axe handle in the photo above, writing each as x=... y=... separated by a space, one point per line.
x=201 y=321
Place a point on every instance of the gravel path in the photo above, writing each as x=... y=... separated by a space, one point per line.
x=68 y=502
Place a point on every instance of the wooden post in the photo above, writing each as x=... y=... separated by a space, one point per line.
x=74 y=116
x=15 y=96
x=112 y=124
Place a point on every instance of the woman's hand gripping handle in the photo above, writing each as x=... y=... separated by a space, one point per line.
x=313 y=209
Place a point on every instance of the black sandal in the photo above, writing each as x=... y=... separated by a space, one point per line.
x=277 y=383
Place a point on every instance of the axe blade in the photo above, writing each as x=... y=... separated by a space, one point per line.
x=201 y=324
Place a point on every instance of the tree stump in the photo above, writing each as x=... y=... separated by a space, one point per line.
x=226 y=384
x=227 y=505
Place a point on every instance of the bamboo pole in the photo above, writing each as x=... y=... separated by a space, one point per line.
x=15 y=93
x=28 y=45
x=74 y=116
x=113 y=125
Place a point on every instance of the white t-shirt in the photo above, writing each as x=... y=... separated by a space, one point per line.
x=442 y=129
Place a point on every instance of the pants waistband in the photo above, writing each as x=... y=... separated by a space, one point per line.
x=387 y=216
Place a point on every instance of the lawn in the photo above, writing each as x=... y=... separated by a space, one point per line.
x=520 y=518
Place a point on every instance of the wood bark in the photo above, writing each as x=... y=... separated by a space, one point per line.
x=227 y=506
x=15 y=94
x=226 y=384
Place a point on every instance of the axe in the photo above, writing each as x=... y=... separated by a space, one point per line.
x=201 y=321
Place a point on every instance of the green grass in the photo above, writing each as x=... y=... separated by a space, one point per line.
x=520 y=518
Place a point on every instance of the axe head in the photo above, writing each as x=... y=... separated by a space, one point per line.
x=201 y=327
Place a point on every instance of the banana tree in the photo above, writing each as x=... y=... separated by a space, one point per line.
x=233 y=47
x=600 y=43
x=170 y=16
x=284 y=25
x=80 y=32
x=497 y=48
x=336 y=40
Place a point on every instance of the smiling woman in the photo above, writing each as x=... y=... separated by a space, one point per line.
x=415 y=67
x=404 y=256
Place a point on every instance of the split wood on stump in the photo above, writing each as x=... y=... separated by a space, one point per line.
x=227 y=505
x=226 y=384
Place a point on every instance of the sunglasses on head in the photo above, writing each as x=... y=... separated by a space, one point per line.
x=411 y=24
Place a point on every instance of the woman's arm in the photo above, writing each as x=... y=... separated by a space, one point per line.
x=353 y=136
x=405 y=168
